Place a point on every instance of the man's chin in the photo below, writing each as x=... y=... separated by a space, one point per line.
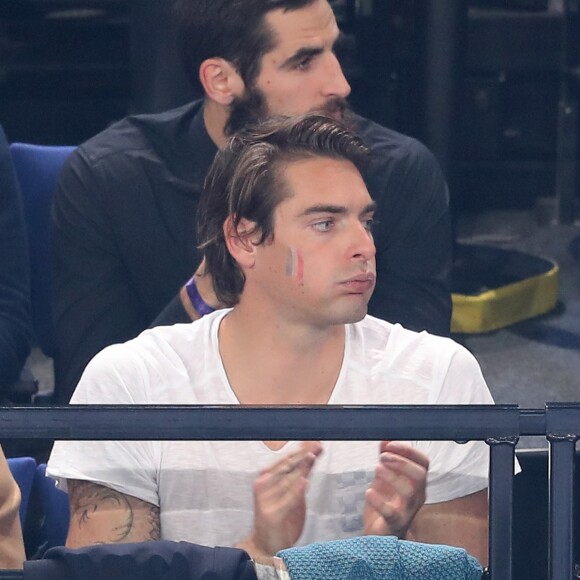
x=355 y=314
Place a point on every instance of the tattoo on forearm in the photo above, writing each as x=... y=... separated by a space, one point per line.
x=154 y=520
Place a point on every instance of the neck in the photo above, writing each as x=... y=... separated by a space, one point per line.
x=215 y=117
x=272 y=361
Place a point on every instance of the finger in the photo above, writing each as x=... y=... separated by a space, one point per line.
x=385 y=508
x=271 y=489
x=286 y=473
x=392 y=485
x=383 y=446
x=277 y=492
x=406 y=450
x=311 y=447
x=292 y=460
x=404 y=467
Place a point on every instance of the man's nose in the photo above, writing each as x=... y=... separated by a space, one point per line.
x=363 y=244
x=336 y=83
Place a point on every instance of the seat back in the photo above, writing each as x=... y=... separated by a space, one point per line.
x=37 y=169
x=23 y=470
x=55 y=508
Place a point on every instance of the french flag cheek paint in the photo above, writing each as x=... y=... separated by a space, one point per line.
x=295 y=266
x=300 y=273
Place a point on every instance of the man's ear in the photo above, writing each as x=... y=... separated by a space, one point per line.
x=241 y=241
x=220 y=80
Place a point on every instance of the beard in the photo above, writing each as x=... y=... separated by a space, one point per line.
x=251 y=108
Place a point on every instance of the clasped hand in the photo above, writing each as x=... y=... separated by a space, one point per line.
x=394 y=497
x=397 y=491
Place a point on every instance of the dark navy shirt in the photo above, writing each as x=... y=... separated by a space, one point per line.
x=142 y=561
x=15 y=321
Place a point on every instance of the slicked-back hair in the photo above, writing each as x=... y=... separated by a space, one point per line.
x=234 y=30
x=247 y=181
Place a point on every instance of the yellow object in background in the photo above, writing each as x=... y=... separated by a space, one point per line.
x=506 y=305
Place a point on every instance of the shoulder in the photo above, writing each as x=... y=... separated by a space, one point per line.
x=401 y=167
x=162 y=343
x=387 y=144
x=404 y=178
x=135 y=134
x=142 y=369
x=392 y=339
x=434 y=363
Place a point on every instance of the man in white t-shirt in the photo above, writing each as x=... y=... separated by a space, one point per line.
x=286 y=229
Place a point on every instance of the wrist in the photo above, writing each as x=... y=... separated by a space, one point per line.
x=275 y=569
x=195 y=299
x=257 y=553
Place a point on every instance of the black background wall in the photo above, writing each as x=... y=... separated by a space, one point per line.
x=70 y=67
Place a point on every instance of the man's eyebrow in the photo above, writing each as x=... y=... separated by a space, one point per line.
x=371 y=207
x=336 y=209
x=324 y=208
x=300 y=55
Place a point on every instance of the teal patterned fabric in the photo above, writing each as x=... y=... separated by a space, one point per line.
x=379 y=558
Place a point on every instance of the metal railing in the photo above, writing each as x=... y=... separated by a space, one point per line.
x=500 y=426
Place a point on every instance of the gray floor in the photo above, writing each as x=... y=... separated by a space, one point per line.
x=536 y=361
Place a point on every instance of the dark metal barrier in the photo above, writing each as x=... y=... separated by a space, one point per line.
x=499 y=425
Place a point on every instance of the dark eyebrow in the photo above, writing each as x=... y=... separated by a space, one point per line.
x=371 y=207
x=300 y=55
x=323 y=208
x=336 y=209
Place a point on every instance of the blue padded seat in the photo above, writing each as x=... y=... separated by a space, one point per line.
x=37 y=169
x=55 y=507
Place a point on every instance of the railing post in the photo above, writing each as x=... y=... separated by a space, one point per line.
x=502 y=455
x=562 y=432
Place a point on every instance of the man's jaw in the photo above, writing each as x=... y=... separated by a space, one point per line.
x=252 y=108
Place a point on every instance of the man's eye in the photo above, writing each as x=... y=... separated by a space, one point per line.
x=369 y=223
x=323 y=226
x=304 y=64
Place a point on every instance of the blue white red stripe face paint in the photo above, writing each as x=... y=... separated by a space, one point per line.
x=295 y=266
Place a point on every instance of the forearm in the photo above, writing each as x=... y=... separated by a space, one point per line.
x=11 y=543
x=462 y=522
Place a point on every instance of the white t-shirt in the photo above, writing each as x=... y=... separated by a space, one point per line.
x=204 y=488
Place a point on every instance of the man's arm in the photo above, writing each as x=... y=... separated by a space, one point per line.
x=462 y=522
x=11 y=543
x=182 y=309
x=93 y=302
x=101 y=515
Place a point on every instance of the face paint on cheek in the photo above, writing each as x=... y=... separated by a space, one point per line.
x=300 y=271
x=295 y=266
x=292 y=262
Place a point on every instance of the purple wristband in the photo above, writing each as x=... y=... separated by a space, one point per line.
x=195 y=298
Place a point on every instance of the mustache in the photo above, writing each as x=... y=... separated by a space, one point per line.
x=339 y=109
x=336 y=107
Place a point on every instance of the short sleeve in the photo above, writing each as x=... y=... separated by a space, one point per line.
x=130 y=467
x=458 y=469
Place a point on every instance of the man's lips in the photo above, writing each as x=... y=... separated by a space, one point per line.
x=360 y=283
